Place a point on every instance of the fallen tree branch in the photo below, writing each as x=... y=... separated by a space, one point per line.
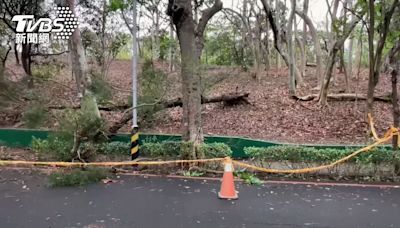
x=49 y=54
x=311 y=64
x=345 y=97
x=228 y=99
x=101 y=108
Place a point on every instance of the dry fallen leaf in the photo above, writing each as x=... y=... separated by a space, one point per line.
x=108 y=181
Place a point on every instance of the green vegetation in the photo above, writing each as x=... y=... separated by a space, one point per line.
x=77 y=177
x=124 y=54
x=72 y=123
x=35 y=115
x=314 y=155
x=222 y=48
x=173 y=149
x=104 y=52
x=113 y=148
x=215 y=150
x=192 y=174
x=54 y=147
x=248 y=178
x=100 y=88
x=46 y=70
x=152 y=84
x=161 y=150
x=165 y=44
x=59 y=147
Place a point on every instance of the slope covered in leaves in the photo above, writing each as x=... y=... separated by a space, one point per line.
x=272 y=115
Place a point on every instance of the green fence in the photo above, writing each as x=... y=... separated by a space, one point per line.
x=22 y=138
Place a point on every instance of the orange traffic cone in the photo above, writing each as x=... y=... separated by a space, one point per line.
x=228 y=186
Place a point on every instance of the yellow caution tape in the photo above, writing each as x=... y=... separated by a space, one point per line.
x=104 y=164
x=371 y=124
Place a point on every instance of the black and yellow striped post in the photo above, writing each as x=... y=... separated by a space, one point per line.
x=135 y=56
x=135 y=143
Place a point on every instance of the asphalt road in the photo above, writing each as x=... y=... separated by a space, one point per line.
x=26 y=201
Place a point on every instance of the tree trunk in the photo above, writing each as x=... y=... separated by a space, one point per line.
x=347 y=97
x=304 y=39
x=278 y=24
x=244 y=31
x=396 y=109
x=396 y=117
x=26 y=63
x=350 y=63
x=371 y=30
x=171 y=48
x=343 y=68
x=191 y=120
x=191 y=41
x=80 y=69
x=327 y=77
x=300 y=44
x=3 y=60
x=2 y=69
x=376 y=59
x=244 y=16
x=295 y=37
x=317 y=46
x=278 y=47
x=394 y=64
x=359 y=52
x=155 y=40
x=292 y=62
x=104 y=58
x=16 y=53
x=266 y=50
x=332 y=59
x=332 y=36
x=256 y=42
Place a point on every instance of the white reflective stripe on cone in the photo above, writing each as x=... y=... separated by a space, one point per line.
x=228 y=167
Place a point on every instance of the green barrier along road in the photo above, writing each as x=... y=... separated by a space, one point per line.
x=22 y=138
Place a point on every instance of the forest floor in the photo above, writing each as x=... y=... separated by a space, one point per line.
x=272 y=115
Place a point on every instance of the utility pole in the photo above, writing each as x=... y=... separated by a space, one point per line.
x=135 y=127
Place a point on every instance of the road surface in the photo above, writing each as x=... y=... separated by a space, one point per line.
x=133 y=201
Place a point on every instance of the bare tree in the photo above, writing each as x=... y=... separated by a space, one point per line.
x=278 y=45
x=250 y=37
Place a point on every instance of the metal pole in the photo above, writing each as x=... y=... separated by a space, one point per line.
x=135 y=127
x=134 y=67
